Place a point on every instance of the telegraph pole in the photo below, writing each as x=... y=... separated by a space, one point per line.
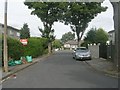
x=116 y=7
x=5 y=40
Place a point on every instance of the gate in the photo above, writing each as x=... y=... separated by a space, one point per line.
x=103 y=50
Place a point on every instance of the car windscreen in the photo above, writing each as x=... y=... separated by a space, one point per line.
x=82 y=50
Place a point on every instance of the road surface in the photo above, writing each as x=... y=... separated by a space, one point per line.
x=60 y=71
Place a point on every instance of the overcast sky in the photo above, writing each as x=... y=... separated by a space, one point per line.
x=18 y=14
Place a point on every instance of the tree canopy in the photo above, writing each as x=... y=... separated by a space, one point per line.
x=76 y=14
x=68 y=36
x=48 y=12
x=79 y=14
x=25 y=32
x=96 y=36
x=57 y=44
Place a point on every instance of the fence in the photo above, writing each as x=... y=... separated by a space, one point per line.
x=94 y=50
x=110 y=52
x=102 y=51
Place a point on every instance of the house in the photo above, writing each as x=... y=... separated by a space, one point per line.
x=11 y=31
x=112 y=36
x=71 y=44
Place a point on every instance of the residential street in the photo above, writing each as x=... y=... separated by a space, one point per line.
x=60 y=71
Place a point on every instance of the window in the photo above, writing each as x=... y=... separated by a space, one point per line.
x=11 y=33
x=18 y=34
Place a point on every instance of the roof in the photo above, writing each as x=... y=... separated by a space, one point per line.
x=10 y=27
x=111 y=31
x=73 y=42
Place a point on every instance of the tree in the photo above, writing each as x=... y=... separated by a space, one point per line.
x=48 y=12
x=68 y=36
x=57 y=44
x=24 y=32
x=79 y=14
x=101 y=36
x=96 y=36
x=91 y=36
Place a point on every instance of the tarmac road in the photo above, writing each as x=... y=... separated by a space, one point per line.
x=60 y=71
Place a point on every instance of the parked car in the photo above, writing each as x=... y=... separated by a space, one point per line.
x=82 y=53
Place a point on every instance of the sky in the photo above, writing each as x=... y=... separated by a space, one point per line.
x=18 y=14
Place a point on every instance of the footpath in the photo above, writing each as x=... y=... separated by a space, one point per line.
x=105 y=66
x=101 y=65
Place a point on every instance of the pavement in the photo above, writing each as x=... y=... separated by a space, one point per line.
x=105 y=66
x=101 y=65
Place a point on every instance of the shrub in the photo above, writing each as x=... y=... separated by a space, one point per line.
x=15 y=48
x=35 y=47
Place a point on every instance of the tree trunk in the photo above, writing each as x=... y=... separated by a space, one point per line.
x=78 y=39
x=49 y=48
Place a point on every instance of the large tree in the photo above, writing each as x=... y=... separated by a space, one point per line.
x=48 y=12
x=67 y=36
x=25 y=32
x=79 y=14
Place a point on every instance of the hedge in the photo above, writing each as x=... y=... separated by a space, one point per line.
x=35 y=47
x=15 y=48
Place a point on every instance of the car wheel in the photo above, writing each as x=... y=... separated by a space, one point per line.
x=76 y=59
x=73 y=57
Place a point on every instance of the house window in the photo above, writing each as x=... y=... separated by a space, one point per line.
x=11 y=33
x=18 y=34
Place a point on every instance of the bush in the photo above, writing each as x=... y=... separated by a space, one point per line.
x=34 y=48
x=15 y=49
x=85 y=44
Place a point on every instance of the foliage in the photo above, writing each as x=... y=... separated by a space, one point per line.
x=96 y=36
x=101 y=36
x=57 y=44
x=15 y=49
x=24 y=32
x=67 y=36
x=79 y=14
x=35 y=47
x=91 y=36
x=48 y=12
x=47 y=35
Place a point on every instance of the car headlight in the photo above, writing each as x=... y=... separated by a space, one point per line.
x=76 y=54
x=88 y=54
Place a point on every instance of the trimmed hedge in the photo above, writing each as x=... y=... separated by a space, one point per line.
x=34 y=48
x=15 y=49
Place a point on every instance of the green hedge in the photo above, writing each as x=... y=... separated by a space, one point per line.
x=15 y=48
x=35 y=47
